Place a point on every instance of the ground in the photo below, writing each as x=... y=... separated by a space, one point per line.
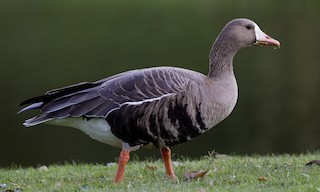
x=212 y=173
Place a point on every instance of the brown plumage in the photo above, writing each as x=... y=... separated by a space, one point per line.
x=160 y=107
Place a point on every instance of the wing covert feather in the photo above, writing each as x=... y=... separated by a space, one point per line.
x=99 y=98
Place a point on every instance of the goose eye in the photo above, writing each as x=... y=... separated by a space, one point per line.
x=249 y=26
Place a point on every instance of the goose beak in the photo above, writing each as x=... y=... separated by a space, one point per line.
x=264 y=39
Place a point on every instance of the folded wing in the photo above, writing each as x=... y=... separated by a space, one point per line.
x=97 y=99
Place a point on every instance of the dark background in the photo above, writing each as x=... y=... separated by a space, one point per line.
x=50 y=44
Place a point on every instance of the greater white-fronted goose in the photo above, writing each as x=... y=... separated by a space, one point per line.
x=159 y=107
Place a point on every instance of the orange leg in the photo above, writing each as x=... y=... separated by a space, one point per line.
x=166 y=156
x=123 y=160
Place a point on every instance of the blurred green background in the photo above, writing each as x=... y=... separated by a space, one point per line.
x=50 y=44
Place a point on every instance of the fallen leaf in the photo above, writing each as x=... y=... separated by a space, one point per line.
x=262 y=179
x=11 y=190
x=110 y=164
x=217 y=155
x=306 y=175
x=195 y=175
x=232 y=177
x=43 y=168
x=313 y=162
x=151 y=167
x=84 y=187
x=176 y=163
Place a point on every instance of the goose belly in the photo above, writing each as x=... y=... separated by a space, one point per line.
x=97 y=128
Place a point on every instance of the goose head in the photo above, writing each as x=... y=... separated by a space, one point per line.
x=246 y=33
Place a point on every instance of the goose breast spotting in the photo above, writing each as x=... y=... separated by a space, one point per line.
x=159 y=107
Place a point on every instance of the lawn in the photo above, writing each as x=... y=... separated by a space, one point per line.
x=223 y=173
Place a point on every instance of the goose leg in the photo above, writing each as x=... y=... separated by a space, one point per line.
x=166 y=156
x=123 y=160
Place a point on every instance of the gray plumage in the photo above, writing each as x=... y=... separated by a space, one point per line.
x=161 y=106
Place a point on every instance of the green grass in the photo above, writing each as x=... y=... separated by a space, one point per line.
x=232 y=173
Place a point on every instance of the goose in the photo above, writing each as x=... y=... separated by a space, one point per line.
x=153 y=107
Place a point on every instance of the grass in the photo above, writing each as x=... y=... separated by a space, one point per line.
x=231 y=173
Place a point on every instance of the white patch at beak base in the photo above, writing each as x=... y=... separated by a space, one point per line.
x=264 y=39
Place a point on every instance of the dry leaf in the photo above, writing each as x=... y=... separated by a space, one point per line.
x=217 y=155
x=262 y=179
x=11 y=190
x=110 y=164
x=43 y=168
x=195 y=175
x=152 y=168
x=176 y=163
x=313 y=162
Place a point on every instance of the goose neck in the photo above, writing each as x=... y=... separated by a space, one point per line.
x=220 y=59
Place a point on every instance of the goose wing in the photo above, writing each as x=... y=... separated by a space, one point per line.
x=97 y=99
